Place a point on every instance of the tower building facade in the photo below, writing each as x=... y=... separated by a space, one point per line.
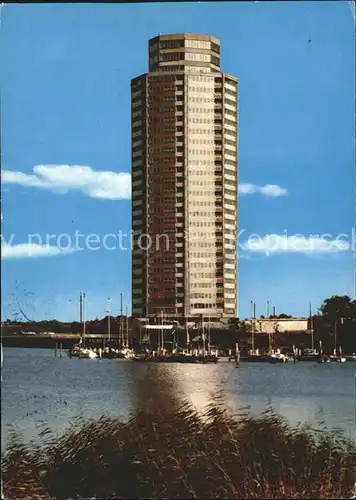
x=184 y=181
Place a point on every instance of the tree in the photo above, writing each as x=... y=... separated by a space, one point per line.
x=233 y=322
x=338 y=316
x=239 y=326
x=337 y=307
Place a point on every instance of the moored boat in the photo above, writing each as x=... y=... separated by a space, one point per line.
x=86 y=353
x=164 y=357
x=278 y=357
x=75 y=351
x=323 y=359
x=127 y=353
x=352 y=357
x=311 y=355
x=111 y=353
x=255 y=356
x=208 y=358
x=337 y=359
x=80 y=351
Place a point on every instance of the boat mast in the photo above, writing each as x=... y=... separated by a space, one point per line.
x=84 y=318
x=251 y=316
x=120 y=329
x=127 y=328
x=187 y=332
x=311 y=326
x=81 y=315
x=109 y=320
x=203 y=333
x=209 y=333
x=253 y=328
x=161 y=333
x=269 y=341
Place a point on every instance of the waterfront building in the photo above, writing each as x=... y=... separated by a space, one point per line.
x=279 y=325
x=184 y=181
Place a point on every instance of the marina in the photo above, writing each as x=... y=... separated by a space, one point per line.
x=197 y=346
x=197 y=356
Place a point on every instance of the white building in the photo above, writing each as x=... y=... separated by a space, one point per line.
x=279 y=325
x=184 y=181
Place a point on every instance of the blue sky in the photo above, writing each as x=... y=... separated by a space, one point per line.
x=65 y=89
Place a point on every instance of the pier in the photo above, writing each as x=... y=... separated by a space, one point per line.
x=51 y=341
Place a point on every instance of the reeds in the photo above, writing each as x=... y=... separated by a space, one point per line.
x=168 y=450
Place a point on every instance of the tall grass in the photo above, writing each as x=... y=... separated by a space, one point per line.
x=168 y=450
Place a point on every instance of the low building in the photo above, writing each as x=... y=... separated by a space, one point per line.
x=279 y=325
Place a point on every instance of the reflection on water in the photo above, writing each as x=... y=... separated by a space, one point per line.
x=304 y=392
x=39 y=389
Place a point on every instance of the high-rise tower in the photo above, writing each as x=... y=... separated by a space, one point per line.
x=184 y=181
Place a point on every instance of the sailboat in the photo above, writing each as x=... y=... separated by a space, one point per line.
x=79 y=350
x=87 y=353
x=254 y=354
x=335 y=357
x=278 y=357
x=127 y=351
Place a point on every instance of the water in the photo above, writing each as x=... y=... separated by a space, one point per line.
x=39 y=389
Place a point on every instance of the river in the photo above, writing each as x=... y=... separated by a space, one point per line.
x=40 y=389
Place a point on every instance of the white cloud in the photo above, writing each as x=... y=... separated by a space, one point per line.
x=270 y=190
x=102 y=185
x=63 y=178
x=274 y=243
x=31 y=250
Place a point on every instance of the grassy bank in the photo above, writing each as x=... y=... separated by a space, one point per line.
x=168 y=450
